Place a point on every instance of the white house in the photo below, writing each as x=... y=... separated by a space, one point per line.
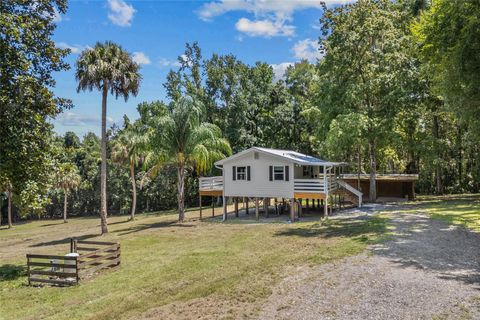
x=265 y=174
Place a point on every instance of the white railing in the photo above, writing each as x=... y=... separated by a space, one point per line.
x=353 y=190
x=316 y=185
x=210 y=183
x=309 y=185
x=332 y=183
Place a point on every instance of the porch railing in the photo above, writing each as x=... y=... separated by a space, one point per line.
x=210 y=183
x=332 y=183
x=315 y=185
x=309 y=185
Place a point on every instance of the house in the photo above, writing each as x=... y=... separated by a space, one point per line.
x=264 y=174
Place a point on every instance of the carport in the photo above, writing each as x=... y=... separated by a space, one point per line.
x=390 y=187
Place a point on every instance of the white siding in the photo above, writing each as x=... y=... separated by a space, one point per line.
x=259 y=184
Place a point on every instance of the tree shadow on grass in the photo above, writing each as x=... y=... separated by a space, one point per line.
x=63 y=241
x=145 y=226
x=360 y=228
x=119 y=222
x=10 y=272
x=58 y=223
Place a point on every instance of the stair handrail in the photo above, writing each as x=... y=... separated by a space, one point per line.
x=353 y=190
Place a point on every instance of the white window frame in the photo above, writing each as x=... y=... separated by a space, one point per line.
x=282 y=173
x=242 y=176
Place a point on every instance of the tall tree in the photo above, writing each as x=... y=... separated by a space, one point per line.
x=28 y=57
x=181 y=139
x=128 y=148
x=109 y=68
x=449 y=42
x=6 y=187
x=68 y=178
x=366 y=67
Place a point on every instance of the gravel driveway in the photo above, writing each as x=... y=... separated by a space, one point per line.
x=428 y=270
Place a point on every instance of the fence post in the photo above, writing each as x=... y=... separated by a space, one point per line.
x=28 y=269
x=76 y=267
x=73 y=245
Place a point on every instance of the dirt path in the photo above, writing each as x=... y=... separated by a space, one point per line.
x=428 y=270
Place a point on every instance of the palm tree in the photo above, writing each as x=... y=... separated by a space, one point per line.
x=107 y=67
x=128 y=149
x=181 y=139
x=68 y=178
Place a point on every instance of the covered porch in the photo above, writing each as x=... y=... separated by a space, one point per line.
x=314 y=189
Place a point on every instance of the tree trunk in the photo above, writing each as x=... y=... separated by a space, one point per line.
x=103 y=173
x=181 y=187
x=65 y=206
x=373 y=171
x=134 y=191
x=438 y=167
x=9 y=213
x=359 y=159
x=460 y=156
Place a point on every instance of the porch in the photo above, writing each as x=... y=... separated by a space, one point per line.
x=321 y=195
x=311 y=188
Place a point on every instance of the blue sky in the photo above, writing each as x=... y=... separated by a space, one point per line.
x=278 y=32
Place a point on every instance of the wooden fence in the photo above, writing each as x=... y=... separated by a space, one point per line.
x=68 y=270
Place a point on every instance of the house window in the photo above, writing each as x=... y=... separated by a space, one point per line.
x=241 y=173
x=278 y=173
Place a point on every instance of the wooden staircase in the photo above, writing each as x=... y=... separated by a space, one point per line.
x=349 y=193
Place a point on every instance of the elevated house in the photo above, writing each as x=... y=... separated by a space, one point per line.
x=282 y=176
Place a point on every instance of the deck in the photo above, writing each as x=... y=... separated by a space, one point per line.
x=303 y=188
x=210 y=186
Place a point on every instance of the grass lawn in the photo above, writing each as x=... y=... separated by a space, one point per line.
x=454 y=209
x=196 y=269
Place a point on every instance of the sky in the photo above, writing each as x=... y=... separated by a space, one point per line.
x=279 y=32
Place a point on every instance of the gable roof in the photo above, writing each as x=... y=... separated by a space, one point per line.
x=288 y=155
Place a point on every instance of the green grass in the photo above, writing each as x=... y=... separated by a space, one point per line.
x=461 y=210
x=223 y=269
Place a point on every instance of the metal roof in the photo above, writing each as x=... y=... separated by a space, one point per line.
x=289 y=155
x=382 y=176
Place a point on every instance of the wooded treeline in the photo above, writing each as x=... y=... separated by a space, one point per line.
x=396 y=90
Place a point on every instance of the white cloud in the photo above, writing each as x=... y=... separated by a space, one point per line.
x=120 y=13
x=75 y=49
x=140 y=58
x=317 y=26
x=273 y=17
x=280 y=69
x=306 y=49
x=266 y=28
x=71 y=119
x=282 y=8
x=166 y=63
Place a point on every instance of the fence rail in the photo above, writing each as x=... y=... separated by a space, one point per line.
x=68 y=270
x=52 y=269
x=210 y=183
